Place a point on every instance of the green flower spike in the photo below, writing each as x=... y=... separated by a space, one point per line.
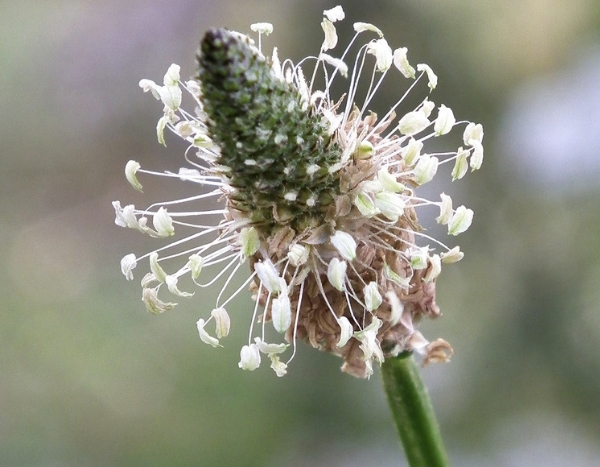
x=275 y=150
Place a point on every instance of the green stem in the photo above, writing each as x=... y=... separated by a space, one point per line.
x=413 y=413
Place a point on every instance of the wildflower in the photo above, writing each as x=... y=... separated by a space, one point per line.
x=319 y=198
x=249 y=357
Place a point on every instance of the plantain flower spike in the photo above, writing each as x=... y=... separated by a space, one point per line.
x=319 y=199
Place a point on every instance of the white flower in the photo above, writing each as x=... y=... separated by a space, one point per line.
x=369 y=343
x=171 y=77
x=262 y=28
x=222 y=322
x=361 y=27
x=391 y=205
x=153 y=303
x=204 y=336
x=130 y=170
x=461 y=220
x=278 y=366
x=160 y=129
x=125 y=217
x=163 y=223
x=336 y=273
x=412 y=151
x=281 y=313
x=425 y=169
x=184 y=129
x=427 y=107
x=477 y=156
x=335 y=14
x=319 y=196
x=365 y=205
x=445 y=210
x=365 y=150
x=195 y=263
x=445 y=121
x=336 y=63
x=149 y=85
x=413 y=123
x=435 y=267
x=460 y=166
x=389 y=181
x=401 y=62
x=383 y=54
x=345 y=244
x=396 y=278
x=268 y=276
x=452 y=256
x=171 y=282
x=298 y=254
x=346 y=331
x=331 y=38
x=473 y=132
x=397 y=308
x=159 y=273
x=431 y=76
x=276 y=65
x=249 y=241
x=128 y=263
x=418 y=258
x=269 y=348
x=171 y=96
x=249 y=357
x=372 y=296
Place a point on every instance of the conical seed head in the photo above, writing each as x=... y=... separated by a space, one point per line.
x=278 y=150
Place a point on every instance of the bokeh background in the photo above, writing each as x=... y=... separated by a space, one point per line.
x=88 y=377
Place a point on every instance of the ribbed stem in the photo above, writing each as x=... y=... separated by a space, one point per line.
x=413 y=413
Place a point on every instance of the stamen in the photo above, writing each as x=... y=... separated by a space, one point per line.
x=216 y=278
x=298 y=308
x=330 y=81
x=372 y=90
x=317 y=277
x=355 y=297
x=356 y=74
x=200 y=249
x=397 y=104
x=176 y=243
x=225 y=286
x=190 y=214
x=208 y=258
x=255 y=312
x=357 y=274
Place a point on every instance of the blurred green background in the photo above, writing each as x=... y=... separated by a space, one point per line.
x=89 y=378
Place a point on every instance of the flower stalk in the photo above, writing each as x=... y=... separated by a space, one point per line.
x=319 y=200
x=412 y=412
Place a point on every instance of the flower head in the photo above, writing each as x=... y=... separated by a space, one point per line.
x=319 y=198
